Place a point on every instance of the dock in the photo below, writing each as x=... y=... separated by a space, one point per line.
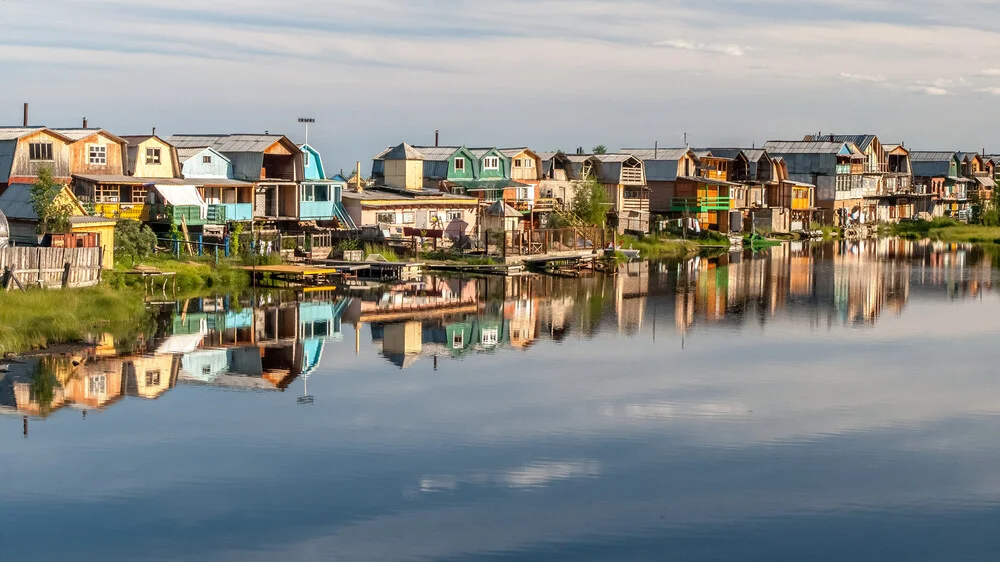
x=495 y=269
x=298 y=275
x=378 y=270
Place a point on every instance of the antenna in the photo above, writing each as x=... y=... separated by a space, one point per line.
x=306 y=121
x=685 y=140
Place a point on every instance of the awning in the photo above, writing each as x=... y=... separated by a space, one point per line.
x=986 y=182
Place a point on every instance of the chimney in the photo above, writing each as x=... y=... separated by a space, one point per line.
x=25 y=114
x=361 y=188
x=437 y=137
x=84 y=122
x=831 y=138
x=656 y=149
x=154 y=131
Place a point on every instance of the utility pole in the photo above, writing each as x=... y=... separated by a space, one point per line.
x=307 y=121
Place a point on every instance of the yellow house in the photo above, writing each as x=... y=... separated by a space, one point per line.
x=15 y=203
x=149 y=156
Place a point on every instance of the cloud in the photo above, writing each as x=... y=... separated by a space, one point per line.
x=930 y=90
x=989 y=72
x=862 y=77
x=993 y=91
x=732 y=50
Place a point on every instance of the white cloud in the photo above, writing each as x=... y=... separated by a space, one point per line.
x=990 y=72
x=930 y=90
x=732 y=50
x=862 y=77
x=993 y=91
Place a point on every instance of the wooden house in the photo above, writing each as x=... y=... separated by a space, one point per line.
x=835 y=168
x=320 y=199
x=272 y=163
x=25 y=151
x=85 y=230
x=979 y=171
x=399 y=200
x=790 y=204
x=149 y=156
x=228 y=199
x=624 y=178
x=525 y=167
x=748 y=192
x=937 y=174
x=663 y=166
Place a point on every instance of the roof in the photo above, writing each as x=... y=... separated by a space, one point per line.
x=804 y=147
x=381 y=193
x=708 y=181
x=930 y=156
x=190 y=152
x=860 y=141
x=615 y=157
x=437 y=153
x=91 y=220
x=499 y=208
x=14 y=133
x=201 y=182
x=969 y=155
x=727 y=153
x=137 y=139
x=15 y=202
x=401 y=152
x=228 y=143
x=122 y=180
x=474 y=185
x=657 y=153
x=754 y=154
x=480 y=152
x=80 y=134
x=512 y=152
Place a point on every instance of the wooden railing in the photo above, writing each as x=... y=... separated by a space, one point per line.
x=552 y=240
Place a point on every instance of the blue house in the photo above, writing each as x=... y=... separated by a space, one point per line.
x=320 y=199
x=228 y=199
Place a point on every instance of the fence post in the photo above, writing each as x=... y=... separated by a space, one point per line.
x=201 y=245
x=217 y=254
x=226 y=240
x=177 y=248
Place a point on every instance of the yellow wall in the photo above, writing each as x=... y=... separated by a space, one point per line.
x=403 y=339
x=404 y=174
x=165 y=169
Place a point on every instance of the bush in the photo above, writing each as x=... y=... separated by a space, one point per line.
x=133 y=239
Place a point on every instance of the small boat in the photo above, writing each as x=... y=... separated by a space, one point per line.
x=630 y=253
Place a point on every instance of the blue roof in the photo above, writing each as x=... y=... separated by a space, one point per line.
x=15 y=202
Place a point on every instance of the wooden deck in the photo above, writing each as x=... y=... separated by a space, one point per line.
x=298 y=275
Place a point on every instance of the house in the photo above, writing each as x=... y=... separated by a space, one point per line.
x=558 y=180
x=685 y=185
x=525 y=167
x=835 y=168
x=156 y=164
x=937 y=174
x=897 y=199
x=790 y=204
x=750 y=192
x=501 y=217
x=149 y=156
x=624 y=178
x=92 y=231
x=979 y=171
x=272 y=163
x=228 y=199
x=320 y=199
x=399 y=199
x=25 y=151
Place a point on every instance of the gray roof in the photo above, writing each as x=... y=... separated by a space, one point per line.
x=656 y=154
x=79 y=134
x=512 y=152
x=499 y=207
x=90 y=220
x=968 y=155
x=803 y=147
x=136 y=139
x=7 y=150
x=860 y=141
x=15 y=202
x=401 y=152
x=437 y=153
x=754 y=154
x=116 y=179
x=227 y=143
x=930 y=156
x=14 y=133
x=615 y=157
x=727 y=153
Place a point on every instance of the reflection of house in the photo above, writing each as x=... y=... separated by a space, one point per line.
x=631 y=290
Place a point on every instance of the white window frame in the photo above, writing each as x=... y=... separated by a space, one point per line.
x=381 y=215
x=491 y=337
x=97 y=154
x=409 y=217
x=460 y=164
x=529 y=163
x=97 y=385
x=458 y=340
x=455 y=216
x=491 y=163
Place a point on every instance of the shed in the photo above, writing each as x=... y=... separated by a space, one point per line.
x=501 y=216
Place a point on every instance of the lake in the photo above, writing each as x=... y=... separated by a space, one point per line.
x=812 y=402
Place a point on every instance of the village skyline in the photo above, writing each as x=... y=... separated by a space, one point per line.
x=720 y=71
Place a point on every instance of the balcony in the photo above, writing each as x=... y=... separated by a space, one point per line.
x=699 y=204
x=222 y=213
x=179 y=214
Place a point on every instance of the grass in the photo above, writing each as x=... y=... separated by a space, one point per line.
x=39 y=318
x=194 y=275
x=829 y=231
x=385 y=251
x=651 y=247
x=947 y=230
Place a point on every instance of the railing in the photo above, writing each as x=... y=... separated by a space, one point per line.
x=552 y=240
x=632 y=176
x=843 y=169
x=681 y=204
x=216 y=214
x=133 y=211
x=191 y=214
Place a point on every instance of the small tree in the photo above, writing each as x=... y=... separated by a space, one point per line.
x=591 y=203
x=133 y=239
x=53 y=211
x=600 y=149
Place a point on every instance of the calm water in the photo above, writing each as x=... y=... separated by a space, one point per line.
x=813 y=403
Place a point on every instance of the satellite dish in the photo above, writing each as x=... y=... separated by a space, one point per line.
x=4 y=231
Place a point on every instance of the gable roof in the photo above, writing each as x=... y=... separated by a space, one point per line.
x=931 y=163
x=242 y=142
x=931 y=156
x=185 y=154
x=726 y=153
x=804 y=147
x=401 y=152
x=860 y=141
x=755 y=154
x=15 y=202
x=78 y=134
x=658 y=153
x=438 y=153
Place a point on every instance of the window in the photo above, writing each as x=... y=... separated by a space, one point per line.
x=153 y=378
x=455 y=216
x=491 y=337
x=98 y=154
x=305 y=158
x=206 y=159
x=152 y=155
x=518 y=163
x=408 y=218
x=491 y=163
x=315 y=193
x=529 y=163
x=522 y=193
x=40 y=151
x=460 y=164
x=458 y=340
x=97 y=385
x=386 y=218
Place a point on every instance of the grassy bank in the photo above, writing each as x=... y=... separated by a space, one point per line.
x=193 y=275
x=947 y=230
x=651 y=247
x=39 y=318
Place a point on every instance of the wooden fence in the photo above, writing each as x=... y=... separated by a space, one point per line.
x=552 y=240
x=50 y=267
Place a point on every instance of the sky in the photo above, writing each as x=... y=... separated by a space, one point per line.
x=550 y=74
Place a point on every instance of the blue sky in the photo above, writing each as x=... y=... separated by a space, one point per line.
x=552 y=74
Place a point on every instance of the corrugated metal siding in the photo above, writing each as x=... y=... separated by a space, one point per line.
x=661 y=170
x=7 y=149
x=246 y=165
x=16 y=202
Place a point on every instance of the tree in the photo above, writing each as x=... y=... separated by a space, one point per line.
x=133 y=239
x=53 y=210
x=591 y=202
x=600 y=149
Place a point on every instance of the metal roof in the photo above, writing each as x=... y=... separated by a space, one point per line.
x=437 y=153
x=861 y=141
x=15 y=202
x=115 y=179
x=657 y=154
x=228 y=143
x=754 y=154
x=499 y=208
x=803 y=147
x=14 y=133
x=137 y=139
x=968 y=155
x=512 y=152
x=80 y=134
x=7 y=150
x=930 y=156
x=188 y=153
x=615 y=157
x=401 y=152
x=727 y=153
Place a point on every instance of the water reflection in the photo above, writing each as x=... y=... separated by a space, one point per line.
x=266 y=342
